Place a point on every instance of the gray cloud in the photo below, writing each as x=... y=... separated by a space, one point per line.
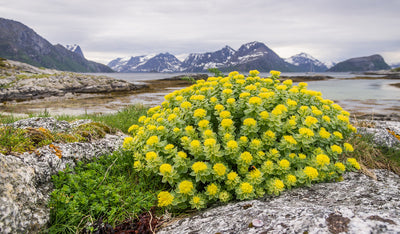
x=328 y=30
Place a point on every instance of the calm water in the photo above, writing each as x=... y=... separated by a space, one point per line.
x=357 y=96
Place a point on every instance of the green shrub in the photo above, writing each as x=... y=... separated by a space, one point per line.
x=240 y=137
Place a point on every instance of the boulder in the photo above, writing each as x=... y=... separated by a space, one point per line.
x=25 y=180
x=358 y=204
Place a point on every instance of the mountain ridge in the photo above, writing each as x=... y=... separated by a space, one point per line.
x=21 y=43
x=249 y=56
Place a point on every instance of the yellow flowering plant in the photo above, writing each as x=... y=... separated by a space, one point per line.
x=239 y=137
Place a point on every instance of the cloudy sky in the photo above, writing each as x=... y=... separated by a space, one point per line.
x=330 y=30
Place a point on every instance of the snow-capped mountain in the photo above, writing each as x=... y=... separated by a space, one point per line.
x=198 y=62
x=163 y=62
x=256 y=55
x=306 y=63
x=253 y=55
x=75 y=48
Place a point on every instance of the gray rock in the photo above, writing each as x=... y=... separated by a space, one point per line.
x=42 y=85
x=381 y=134
x=25 y=180
x=358 y=204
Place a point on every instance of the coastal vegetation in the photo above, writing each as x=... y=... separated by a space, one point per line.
x=114 y=188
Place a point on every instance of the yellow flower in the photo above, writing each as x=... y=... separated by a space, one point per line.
x=165 y=168
x=284 y=164
x=246 y=157
x=254 y=72
x=241 y=81
x=264 y=115
x=230 y=101
x=324 y=134
x=212 y=189
x=255 y=101
x=195 y=144
x=270 y=134
x=196 y=200
x=227 y=91
x=279 y=109
x=152 y=140
x=310 y=121
x=234 y=73
x=306 y=132
x=164 y=198
x=250 y=122
x=219 y=107
x=354 y=163
x=317 y=112
x=244 y=94
x=200 y=113
x=322 y=160
x=220 y=169
x=291 y=102
x=291 y=179
x=337 y=107
x=281 y=87
x=232 y=144
x=171 y=117
x=303 y=85
x=213 y=99
x=208 y=133
x=151 y=156
x=185 y=187
x=199 y=167
x=246 y=188
x=133 y=128
x=338 y=134
x=137 y=164
x=255 y=174
x=169 y=147
x=287 y=82
x=232 y=175
x=336 y=149
x=343 y=118
x=275 y=73
x=186 y=105
x=302 y=156
x=203 y=123
x=127 y=141
x=348 y=147
x=326 y=119
x=176 y=130
x=290 y=140
x=210 y=142
x=255 y=143
x=226 y=123
x=266 y=95
x=225 y=114
x=160 y=128
x=311 y=172
x=340 y=166
x=251 y=87
x=182 y=154
x=244 y=139
x=278 y=185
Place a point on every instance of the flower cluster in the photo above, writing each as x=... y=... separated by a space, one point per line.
x=240 y=137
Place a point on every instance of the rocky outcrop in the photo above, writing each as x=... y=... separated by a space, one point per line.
x=358 y=204
x=25 y=180
x=385 y=133
x=28 y=83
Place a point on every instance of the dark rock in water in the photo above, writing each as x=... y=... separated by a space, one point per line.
x=25 y=180
x=358 y=204
x=188 y=77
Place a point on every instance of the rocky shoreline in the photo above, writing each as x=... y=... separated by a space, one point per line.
x=20 y=82
x=366 y=204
